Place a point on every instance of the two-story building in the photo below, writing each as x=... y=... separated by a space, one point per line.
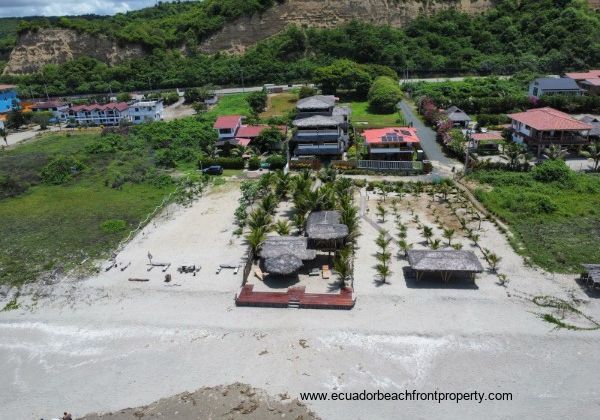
x=321 y=128
x=544 y=86
x=146 y=111
x=541 y=127
x=393 y=144
x=57 y=108
x=8 y=98
x=232 y=130
x=95 y=114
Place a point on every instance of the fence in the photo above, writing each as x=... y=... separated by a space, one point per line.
x=389 y=165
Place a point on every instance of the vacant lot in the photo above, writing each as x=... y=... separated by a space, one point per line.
x=53 y=226
x=279 y=104
x=231 y=105
x=556 y=224
x=362 y=118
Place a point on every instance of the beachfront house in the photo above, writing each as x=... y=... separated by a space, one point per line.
x=458 y=117
x=146 y=111
x=541 y=127
x=544 y=86
x=393 y=144
x=8 y=98
x=95 y=114
x=320 y=128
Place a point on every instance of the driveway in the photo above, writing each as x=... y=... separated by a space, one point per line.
x=20 y=136
x=428 y=142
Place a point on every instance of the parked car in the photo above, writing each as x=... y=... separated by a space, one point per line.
x=213 y=170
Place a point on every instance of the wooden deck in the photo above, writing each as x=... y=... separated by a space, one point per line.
x=295 y=297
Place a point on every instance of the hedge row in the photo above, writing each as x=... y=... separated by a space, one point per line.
x=226 y=163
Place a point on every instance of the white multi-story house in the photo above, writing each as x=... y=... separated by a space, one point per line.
x=107 y=114
x=146 y=111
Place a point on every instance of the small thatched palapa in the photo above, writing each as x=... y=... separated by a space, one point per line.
x=444 y=262
x=283 y=264
x=276 y=246
x=325 y=225
x=593 y=272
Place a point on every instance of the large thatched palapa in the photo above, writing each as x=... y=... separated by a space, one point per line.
x=325 y=231
x=284 y=264
x=276 y=246
x=445 y=262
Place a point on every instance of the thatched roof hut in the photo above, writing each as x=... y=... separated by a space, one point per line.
x=275 y=246
x=446 y=262
x=592 y=274
x=283 y=264
x=325 y=231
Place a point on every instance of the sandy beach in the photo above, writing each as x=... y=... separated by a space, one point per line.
x=103 y=343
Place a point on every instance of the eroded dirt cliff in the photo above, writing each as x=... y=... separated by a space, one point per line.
x=246 y=31
x=56 y=46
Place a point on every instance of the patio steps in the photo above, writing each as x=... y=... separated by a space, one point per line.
x=295 y=298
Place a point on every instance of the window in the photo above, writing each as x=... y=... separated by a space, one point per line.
x=137 y=117
x=535 y=91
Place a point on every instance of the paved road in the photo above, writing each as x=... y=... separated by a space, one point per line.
x=18 y=137
x=448 y=79
x=428 y=142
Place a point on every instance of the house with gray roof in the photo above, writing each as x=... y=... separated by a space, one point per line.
x=594 y=121
x=458 y=117
x=320 y=128
x=554 y=86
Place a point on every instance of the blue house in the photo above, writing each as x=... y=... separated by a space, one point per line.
x=8 y=98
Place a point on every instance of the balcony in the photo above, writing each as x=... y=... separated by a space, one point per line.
x=565 y=140
x=316 y=135
x=318 y=149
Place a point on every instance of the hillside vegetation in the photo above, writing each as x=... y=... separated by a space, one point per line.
x=544 y=36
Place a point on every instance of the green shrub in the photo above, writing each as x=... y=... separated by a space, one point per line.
x=276 y=162
x=254 y=163
x=384 y=94
x=165 y=158
x=226 y=163
x=11 y=186
x=60 y=170
x=552 y=171
x=113 y=226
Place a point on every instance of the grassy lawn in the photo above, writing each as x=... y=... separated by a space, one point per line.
x=279 y=104
x=52 y=226
x=231 y=105
x=363 y=119
x=558 y=225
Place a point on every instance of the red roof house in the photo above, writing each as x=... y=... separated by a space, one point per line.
x=546 y=126
x=391 y=143
x=228 y=122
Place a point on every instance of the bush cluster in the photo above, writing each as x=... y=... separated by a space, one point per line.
x=384 y=95
x=225 y=162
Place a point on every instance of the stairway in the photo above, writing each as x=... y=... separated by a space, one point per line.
x=293 y=303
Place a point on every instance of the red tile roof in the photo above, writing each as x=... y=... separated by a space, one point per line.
x=242 y=141
x=227 y=121
x=406 y=134
x=119 y=106
x=592 y=74
x=549 y=119
x=594 y=81
x=489 y=136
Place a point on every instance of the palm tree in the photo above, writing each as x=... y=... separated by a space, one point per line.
x=383 y=255
x=269 y=203
x=475 y=238
x=256 y=238
x=448 y=234
x=404 y=246
x=282 y=228
x=513 y=153
x=259 y=218
x=593 y=152
x=282 y=185
x=494 y=260
x=427 y=233
x=555 y=152
x=381 y=211
x=435 y=244
x=342 y=265
x=457 y=246
x=349 y=217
